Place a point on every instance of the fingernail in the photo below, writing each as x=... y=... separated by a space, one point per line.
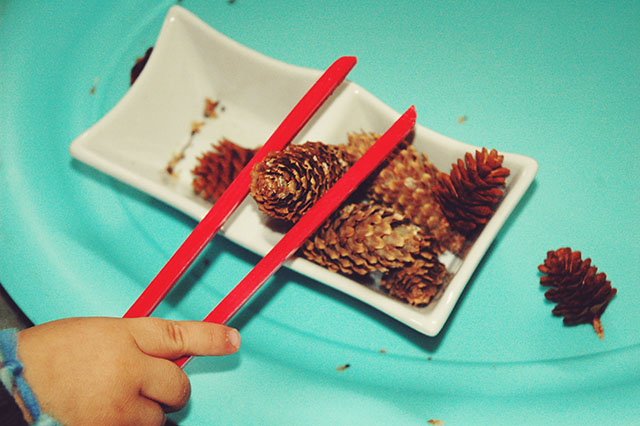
x=234 y=337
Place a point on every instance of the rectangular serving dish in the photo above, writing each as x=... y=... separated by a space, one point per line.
x=152 y=124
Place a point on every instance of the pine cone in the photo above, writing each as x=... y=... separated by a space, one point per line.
x=416 y=283
x=581 y=294
x=358 y=143
x=216 y=169
x=470 y=193
x=405 y=184
x=287 y=183
x=364 y=237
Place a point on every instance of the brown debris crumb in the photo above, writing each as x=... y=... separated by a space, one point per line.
x=597 y=326
x=196 y=126
x=210 y=108
x=462 y=119
x=343 y=367
x=175 y=159
x=436 y=422
x=94 y=87
x=383 y=351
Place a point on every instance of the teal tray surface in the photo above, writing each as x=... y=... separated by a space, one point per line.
x=555 y=82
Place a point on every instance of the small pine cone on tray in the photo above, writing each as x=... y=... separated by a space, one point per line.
x=365 y=237
x=358 y=143
x=286 y=184
x=470 y=193
x=418 y=282
x=581 y=294
x=216 y=169
x=405 y=184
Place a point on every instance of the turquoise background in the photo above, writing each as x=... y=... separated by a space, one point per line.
x=556 y=81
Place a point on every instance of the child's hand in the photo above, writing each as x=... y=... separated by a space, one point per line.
x=112 y=371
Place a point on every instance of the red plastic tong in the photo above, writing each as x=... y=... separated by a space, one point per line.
x=239 y=188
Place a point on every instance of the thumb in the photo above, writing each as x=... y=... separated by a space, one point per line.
x=174 y=339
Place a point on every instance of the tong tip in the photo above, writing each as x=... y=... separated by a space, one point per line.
x=346 y=61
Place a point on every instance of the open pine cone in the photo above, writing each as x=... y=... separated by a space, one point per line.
x=405 y=184
x=581 y=294
x=361 y=238
x=358 y=143
x=470 y=193
x=287 y=183
x=216 y=169
x=418 y=282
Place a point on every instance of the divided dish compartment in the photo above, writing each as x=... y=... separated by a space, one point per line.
x=137 y=139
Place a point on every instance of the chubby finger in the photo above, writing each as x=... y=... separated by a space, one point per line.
x=147 y=413
x=174 y=339
x=166 y=383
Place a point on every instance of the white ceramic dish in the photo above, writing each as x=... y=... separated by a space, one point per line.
x=135 y=141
